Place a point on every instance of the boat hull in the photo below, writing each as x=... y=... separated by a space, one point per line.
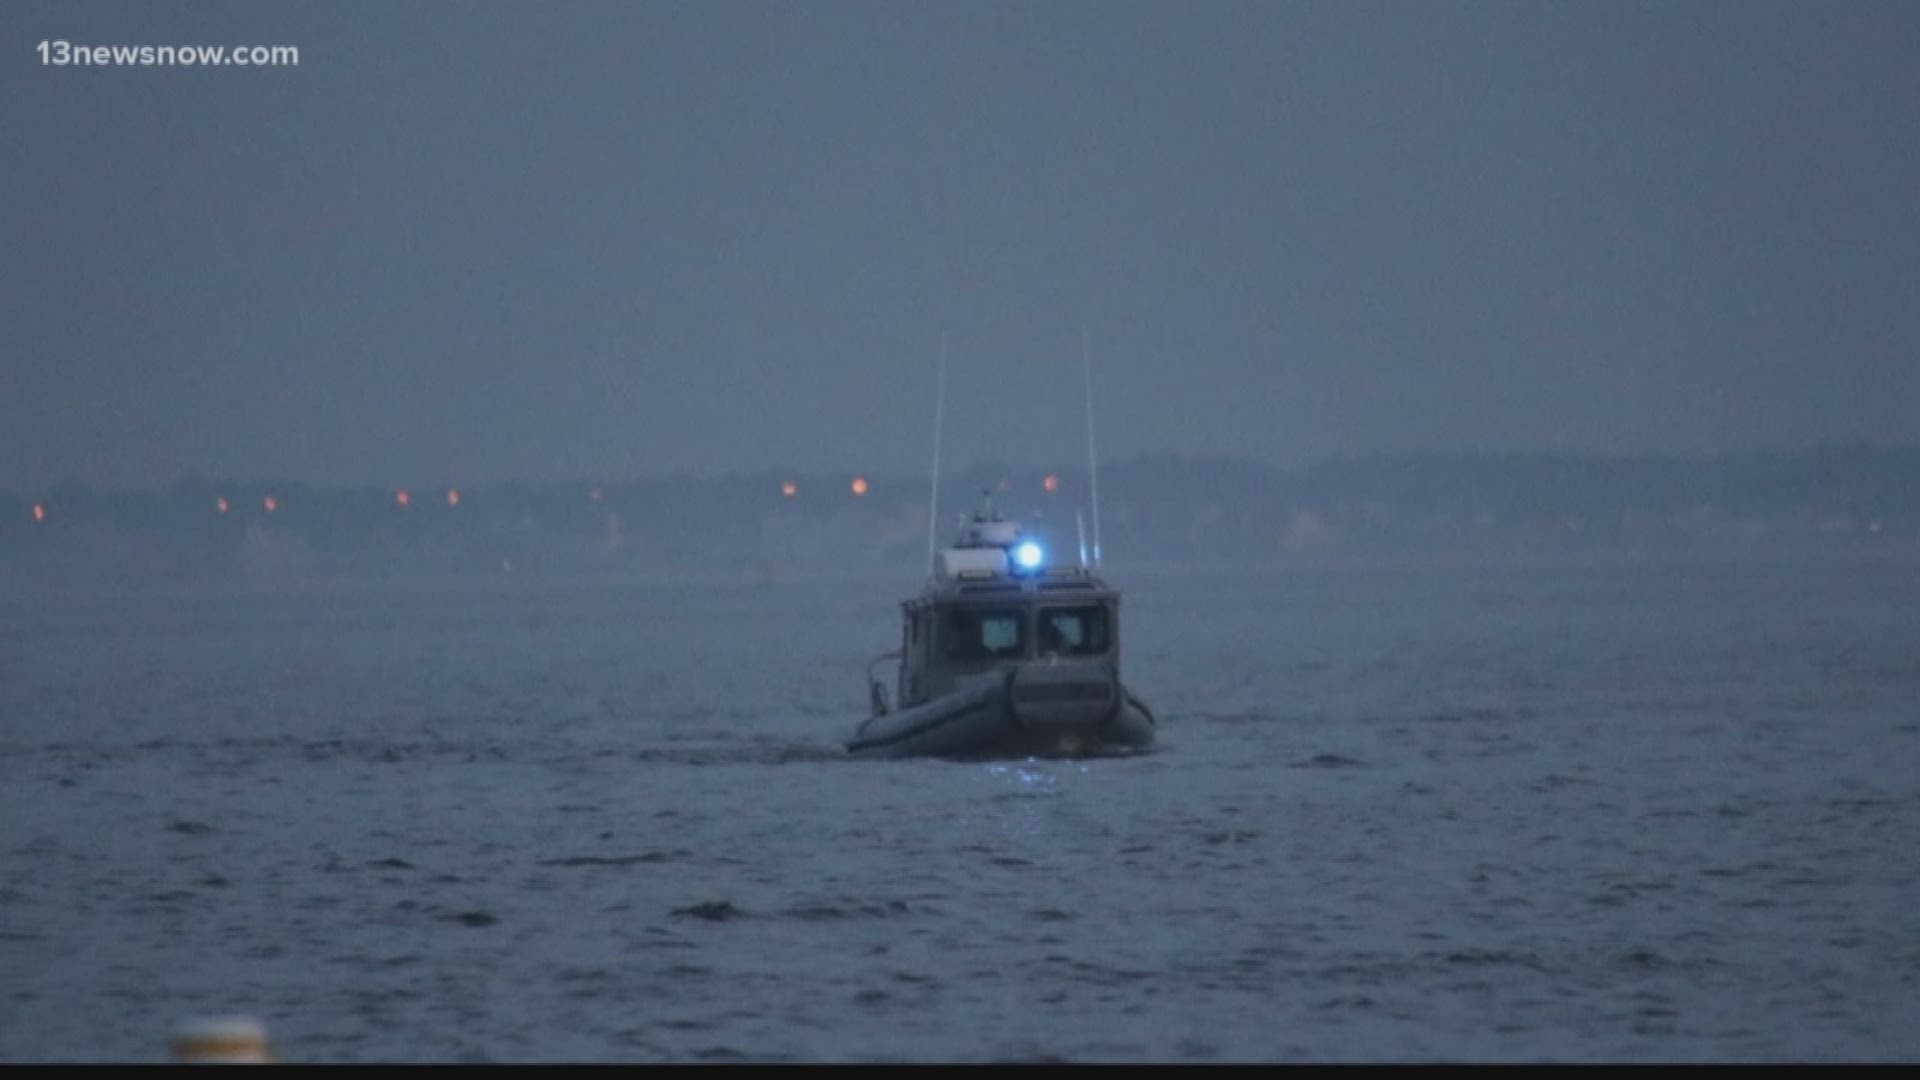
x=1039 y=710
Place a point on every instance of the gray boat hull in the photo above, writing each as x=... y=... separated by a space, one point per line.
x=1041 y=709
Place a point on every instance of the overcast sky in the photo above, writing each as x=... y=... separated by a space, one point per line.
x=486 y=240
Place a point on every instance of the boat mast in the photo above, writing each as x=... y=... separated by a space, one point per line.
x=1093 y=461
x=939 y=410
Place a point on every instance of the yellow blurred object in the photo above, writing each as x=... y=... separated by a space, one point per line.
x=231 y=1040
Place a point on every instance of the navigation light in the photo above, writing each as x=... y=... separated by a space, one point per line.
x=1028 y=556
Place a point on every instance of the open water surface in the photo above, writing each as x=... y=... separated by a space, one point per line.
x=1594 y=812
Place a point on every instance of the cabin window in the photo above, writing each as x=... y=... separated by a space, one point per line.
x=985 y=633
x=1074 y=631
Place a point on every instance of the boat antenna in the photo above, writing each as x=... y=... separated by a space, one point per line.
x=1093 y=460
x=939 y=412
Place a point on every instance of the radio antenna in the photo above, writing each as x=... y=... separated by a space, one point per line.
x=939 y=415
x=1093 y=459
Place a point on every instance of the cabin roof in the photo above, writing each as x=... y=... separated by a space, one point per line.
x=1067 y=584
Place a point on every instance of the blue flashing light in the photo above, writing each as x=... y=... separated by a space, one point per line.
x=1029 y=556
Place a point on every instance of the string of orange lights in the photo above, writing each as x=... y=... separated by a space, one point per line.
x=403 y=498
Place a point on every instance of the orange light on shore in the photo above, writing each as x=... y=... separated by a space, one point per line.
x=1051 y=483
x=859 y=485
x=453 y=496
x=222 y=505
x=271 y=504
x=789 y=489
x=39 y=512
x=401 y=498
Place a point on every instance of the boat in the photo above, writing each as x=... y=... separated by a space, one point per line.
x=1005 y=656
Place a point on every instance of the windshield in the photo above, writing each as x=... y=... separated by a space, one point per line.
x=1073 y=631
x=985 y=633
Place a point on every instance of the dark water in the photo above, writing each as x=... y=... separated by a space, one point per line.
x=1574 y=813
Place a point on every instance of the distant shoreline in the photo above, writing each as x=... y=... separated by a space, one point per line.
x=1846 y=501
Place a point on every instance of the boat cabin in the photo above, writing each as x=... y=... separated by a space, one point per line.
x=994 y=600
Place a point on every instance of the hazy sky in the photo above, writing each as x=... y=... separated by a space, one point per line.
x=488 y=240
